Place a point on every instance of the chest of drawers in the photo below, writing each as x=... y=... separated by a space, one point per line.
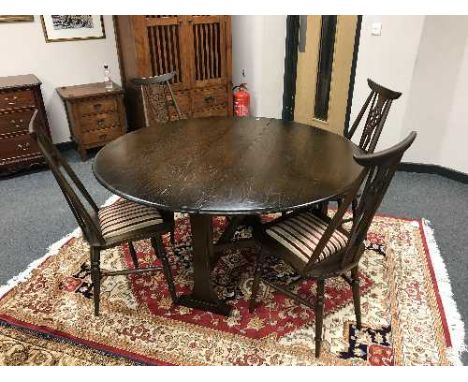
x=19 y=96
x=96 y=115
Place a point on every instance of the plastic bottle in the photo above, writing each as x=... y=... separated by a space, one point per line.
x=107 y=80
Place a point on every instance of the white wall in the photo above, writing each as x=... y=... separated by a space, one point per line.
x=453 y=151
x=388 y=59
x=247 y=36
x=258 y=48
x=25 y=51
x=424 y=57
x=438 y=98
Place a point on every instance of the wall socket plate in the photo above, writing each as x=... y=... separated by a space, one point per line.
x=376 y=29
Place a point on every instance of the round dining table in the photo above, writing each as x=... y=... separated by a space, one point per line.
x=226 y=166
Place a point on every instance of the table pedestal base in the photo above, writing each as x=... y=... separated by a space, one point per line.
x=218 y=307
x=203 y=295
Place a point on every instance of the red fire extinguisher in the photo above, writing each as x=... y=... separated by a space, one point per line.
x=241 y=99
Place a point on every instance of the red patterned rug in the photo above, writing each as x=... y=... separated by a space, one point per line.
x=46 y=315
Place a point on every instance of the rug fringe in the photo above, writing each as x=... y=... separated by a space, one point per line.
x=454 y=320
x=51 y=251
x=26 y=274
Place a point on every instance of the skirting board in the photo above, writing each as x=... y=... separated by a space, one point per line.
x=64 y=146
x=434 y=169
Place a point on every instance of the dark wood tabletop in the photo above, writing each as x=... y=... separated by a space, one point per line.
x=226 y=165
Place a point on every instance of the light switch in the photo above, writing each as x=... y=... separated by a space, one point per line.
x=376 y=29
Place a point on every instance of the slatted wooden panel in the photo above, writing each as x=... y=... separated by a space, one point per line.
x=208 y=35
x=155 y=44
x=164 y=46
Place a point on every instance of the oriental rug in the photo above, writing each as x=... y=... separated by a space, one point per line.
x=409 y=316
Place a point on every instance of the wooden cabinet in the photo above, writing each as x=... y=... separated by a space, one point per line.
x=96 y=115
x=19 y=97
x=197 y=48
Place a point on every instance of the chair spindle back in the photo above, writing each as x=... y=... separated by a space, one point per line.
x=377 y=106
x=158 y=98
x=379 y=169
x=72 y=188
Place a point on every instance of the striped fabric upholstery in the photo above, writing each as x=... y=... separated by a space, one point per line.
x=301 y=234
x=124 y=216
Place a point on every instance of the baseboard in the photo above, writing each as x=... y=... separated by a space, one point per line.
x=434 y=169
x=64 y=146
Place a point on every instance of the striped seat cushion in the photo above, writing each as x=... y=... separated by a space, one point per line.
x=124 y=216
x=301 y=234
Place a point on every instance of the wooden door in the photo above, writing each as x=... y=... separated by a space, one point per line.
x=323 y=71
x=209 y=46
x=198 y=48
x=166 y=47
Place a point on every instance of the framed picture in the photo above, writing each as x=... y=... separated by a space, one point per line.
x=15 y=18
x=72 y=27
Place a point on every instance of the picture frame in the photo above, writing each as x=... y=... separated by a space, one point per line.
x=16 y=18
x=59 y=28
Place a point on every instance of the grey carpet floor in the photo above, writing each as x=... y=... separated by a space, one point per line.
x=34 y=214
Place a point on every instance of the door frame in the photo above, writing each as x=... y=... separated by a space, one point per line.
x=290 y=67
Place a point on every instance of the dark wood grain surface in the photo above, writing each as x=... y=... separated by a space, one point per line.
x=230 y=166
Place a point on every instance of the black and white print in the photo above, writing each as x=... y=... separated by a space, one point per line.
x=72 y=21
x=72 y=27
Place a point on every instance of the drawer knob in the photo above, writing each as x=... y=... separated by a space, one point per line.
x=97 y=106
x=24 y=147
x=100 y=122
x=209 y=99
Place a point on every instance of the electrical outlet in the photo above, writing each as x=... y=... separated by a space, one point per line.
x=376 y=29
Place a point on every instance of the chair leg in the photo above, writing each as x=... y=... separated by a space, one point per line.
x=172 y=238
x=339 y=202
x=161 y=254
x=356 y=295
x=96 y=277
x=319 y=316
x=256 y=281
x=354 y=209
x=172 y=232
x=133 y=254
x=323 y=208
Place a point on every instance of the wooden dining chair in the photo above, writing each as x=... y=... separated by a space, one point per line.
x=159 y=102
x=107 y=227
x=318 y=247
x=374 y=111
